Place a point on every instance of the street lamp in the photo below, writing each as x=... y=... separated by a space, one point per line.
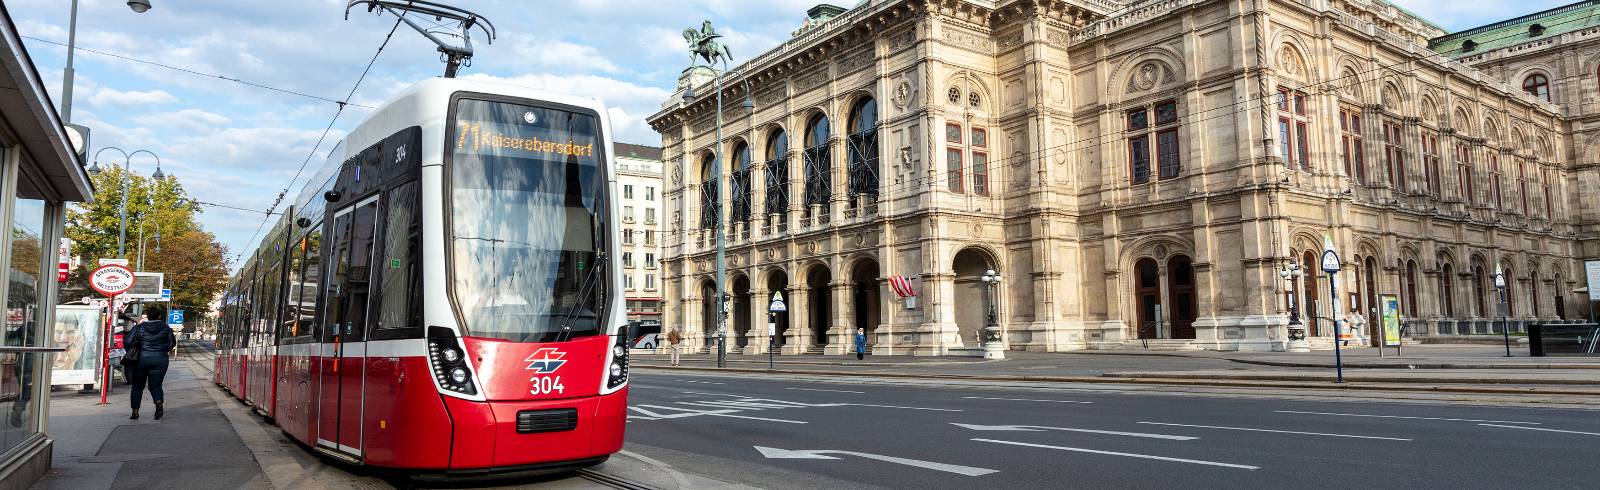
x=127 y=184
x=1505 y=320
x=138 y=6
x=1296 y=331
x=991 y=332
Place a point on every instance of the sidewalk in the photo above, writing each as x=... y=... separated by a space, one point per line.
x=193 y=446
x=1434 y=364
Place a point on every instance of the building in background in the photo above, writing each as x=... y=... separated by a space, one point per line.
x=41 y=170
x=639 y=184
x=1137 y=172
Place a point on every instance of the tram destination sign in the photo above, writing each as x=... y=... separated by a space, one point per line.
x=111 y=280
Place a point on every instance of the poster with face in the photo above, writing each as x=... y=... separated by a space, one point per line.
x=78 y=329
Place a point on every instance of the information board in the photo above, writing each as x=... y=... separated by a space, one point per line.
x=1390 y=304
x=77 y=330
x=1591 y=269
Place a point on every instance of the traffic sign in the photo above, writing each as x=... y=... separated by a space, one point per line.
x=166 y=295
x=174 y=317
x=777 y=305
x=1330 y=259
x=111 y=279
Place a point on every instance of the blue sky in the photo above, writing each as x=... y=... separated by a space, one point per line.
x=238 y=145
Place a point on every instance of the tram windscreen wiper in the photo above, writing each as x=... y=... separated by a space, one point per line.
x=565 y=331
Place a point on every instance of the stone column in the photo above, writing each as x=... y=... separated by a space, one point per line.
x=840 y=328
x=756 y=337
x=938 y=333
x=883 y=341
x=693 y=328
x=798 y=337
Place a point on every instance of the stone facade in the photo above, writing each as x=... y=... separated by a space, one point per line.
x=1116 y=164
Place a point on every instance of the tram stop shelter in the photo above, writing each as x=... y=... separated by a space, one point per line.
x=40 y=172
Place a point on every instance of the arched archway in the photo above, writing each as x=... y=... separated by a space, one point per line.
x=818 y=165
x=739 y=320
x=708 y=312
x=740 y=187
x=710 y=204
x=866 y=304
x=1147 y=285
x=778 y=282
x=1447 y=290
x=1314 y=321
x=969 y=266
x=777 y=156
x=820 y=298
x=1180 y=291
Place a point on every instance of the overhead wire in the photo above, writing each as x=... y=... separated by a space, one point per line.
x=195 y=72
x=329 y=128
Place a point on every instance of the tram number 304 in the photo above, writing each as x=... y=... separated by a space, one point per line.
x=547 y=385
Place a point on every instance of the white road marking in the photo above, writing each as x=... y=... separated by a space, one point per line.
x=831 y=391
x=775 y=453
x=1403 y=417
x=1130 y=455
x=1020 y=399
x=1546 y=430
x=700 y=382
x=715 y=413
x=1279 y=431
x=1037 y=428
x=714 y=394
x=896 y=406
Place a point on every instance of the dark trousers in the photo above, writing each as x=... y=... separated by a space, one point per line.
x=151 y=370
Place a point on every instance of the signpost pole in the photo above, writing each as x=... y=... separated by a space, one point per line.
x=1331 y=265
x=773 y=309
x=105 y=352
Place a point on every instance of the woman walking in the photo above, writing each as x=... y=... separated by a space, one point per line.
x=148 y=345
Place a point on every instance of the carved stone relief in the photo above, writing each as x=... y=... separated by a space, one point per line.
x=968 y=40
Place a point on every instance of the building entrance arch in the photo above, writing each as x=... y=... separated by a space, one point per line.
x=778 y=282
x=866 y=299
x=740 y=318
x=971 y=303
x=820 y=298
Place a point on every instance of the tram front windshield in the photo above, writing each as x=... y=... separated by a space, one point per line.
x=527 y=221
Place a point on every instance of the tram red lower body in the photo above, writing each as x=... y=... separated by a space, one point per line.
x=394 y=417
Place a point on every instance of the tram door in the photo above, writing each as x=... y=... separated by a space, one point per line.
x=344 y=338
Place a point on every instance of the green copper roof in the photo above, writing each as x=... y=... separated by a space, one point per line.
x=1553 y=22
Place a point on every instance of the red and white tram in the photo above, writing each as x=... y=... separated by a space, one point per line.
x=439 y=298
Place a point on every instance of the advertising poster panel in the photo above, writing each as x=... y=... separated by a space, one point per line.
x=1391 y=319
x=77 y=329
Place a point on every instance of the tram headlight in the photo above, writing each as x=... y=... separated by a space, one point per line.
x=449 y=363
x=616 y=370
x=618 y=351
x=450 y=355
x=619 y=362
x=458 y=375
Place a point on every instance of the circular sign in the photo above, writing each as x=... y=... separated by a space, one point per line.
x=111 y=279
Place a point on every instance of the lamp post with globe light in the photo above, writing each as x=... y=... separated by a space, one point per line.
x=127 y=184
x=992 y=348
x=1505 y=320
x=1296 y=330
x=138 y=6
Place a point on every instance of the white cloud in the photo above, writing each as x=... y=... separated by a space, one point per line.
x=562 y=55
x=190 y=121
x=110 y=97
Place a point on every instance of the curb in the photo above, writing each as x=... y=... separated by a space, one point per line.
x=1362 y=378
x=1351 y=385
x=1355 y=365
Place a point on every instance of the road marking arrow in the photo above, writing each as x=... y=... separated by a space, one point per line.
x=1037 y=428
x=1130 y=455
x=775 y=453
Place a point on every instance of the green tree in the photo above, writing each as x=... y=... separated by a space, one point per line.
x=194 y=263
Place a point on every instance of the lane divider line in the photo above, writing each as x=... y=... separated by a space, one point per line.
x=1129 y=455
x=1021 y=399
x=1404 y=417
x=830 y=391
x=1279 y=431
x=1546 y=430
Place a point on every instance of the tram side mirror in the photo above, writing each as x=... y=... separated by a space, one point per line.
x=332 y=196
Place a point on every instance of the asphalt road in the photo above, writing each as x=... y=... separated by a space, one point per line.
x=813 y=432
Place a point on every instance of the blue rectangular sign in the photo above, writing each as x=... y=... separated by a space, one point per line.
x=175 y=317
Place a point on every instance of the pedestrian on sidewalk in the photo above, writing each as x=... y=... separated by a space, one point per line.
x=861 y=343
x=673 y=338
x=149 y=342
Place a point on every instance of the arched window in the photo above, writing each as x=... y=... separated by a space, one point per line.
x=818 y=165
x=1308 y=310
x=1148 y=293
x=741 y=190
x=778 y=175
x=1410 y=307
x=863 y=148
x=710 y=204
x=1162 y=133
x=1447 y=291
x=1509 y=295
x=1538 y=85
x=1480 y=286
x=1371 y=301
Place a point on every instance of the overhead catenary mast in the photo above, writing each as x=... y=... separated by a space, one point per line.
x=453 y=55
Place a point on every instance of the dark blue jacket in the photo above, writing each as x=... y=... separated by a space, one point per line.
x=861 y=341
x=153 y=337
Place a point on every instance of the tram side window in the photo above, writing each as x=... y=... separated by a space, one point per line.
x=290 y=318
x=401 y=273
x=311 y=289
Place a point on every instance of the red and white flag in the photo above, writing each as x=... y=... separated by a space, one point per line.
x=902 y=286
